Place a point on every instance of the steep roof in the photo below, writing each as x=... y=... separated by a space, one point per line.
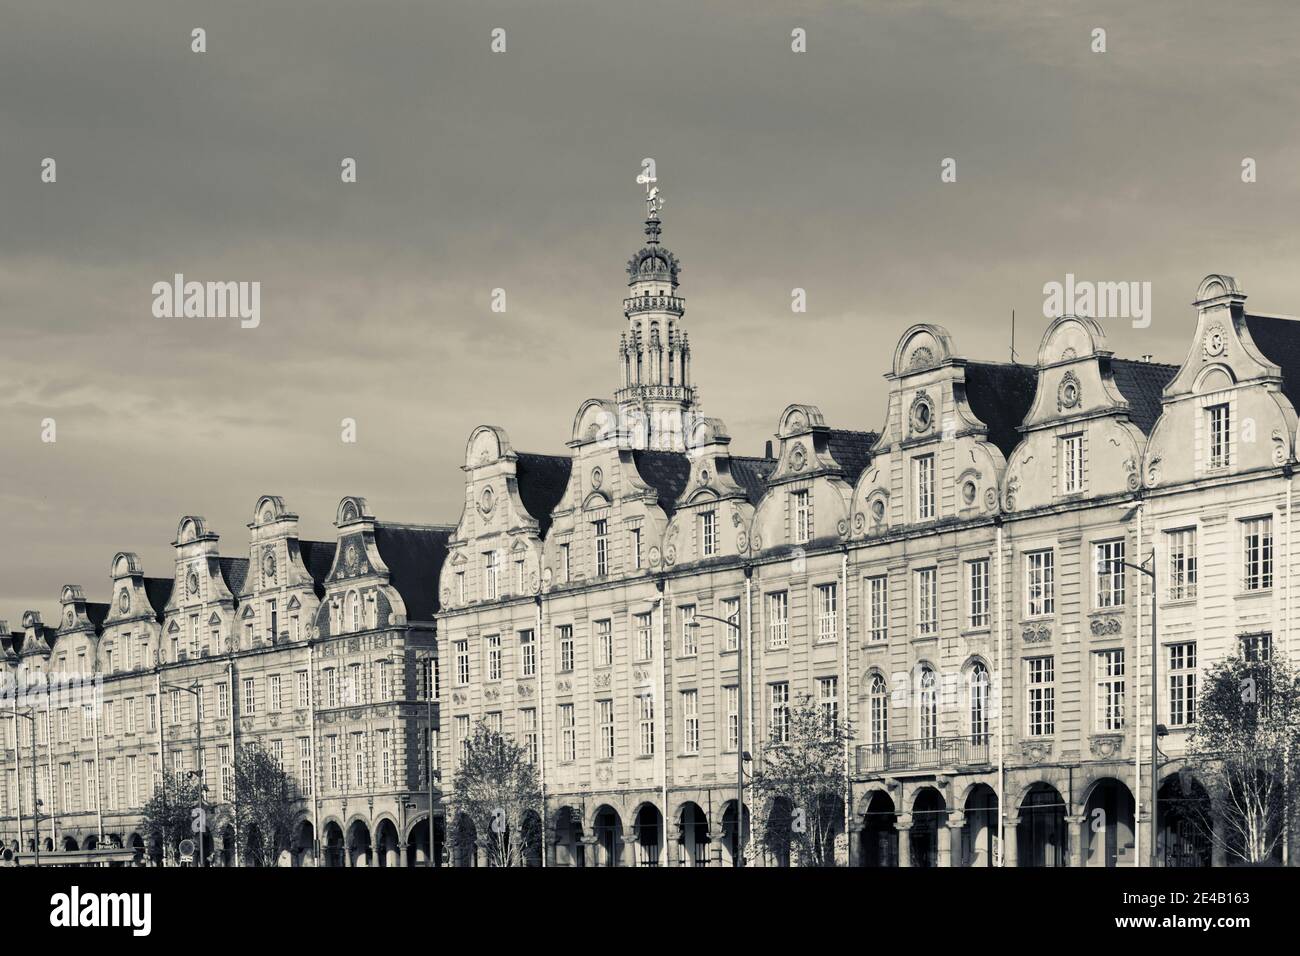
x=1000 y=394
x=235 y=571
x=667 y=472
x=158 y=591
x=852 y=451
x=1141 y=384
x=414 y=555
x=318 y=558
x=1279 y=340
x=751 y=474
x=96 y=613
x=541 y=480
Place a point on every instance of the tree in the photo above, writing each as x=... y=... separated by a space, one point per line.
x=1247 y=739
x=266 y=807
x=799 y=786
x=168 y=815
x=495 y=799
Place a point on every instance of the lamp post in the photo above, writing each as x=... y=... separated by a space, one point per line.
x=36 y=801
x=198 y=733
x=1155 y=702
x=740 y=736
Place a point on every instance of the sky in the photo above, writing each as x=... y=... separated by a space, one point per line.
x=515 y=170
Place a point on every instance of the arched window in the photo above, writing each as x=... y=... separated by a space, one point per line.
x=354 y=611
x=929 y=699
x=878 y=716
x=979 y=703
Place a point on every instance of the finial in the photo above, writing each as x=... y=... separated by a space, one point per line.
x=654 y=200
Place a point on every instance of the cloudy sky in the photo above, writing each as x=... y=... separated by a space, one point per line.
x=516 y=170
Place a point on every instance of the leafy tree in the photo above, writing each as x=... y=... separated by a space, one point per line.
x=168 y=815
x=495 y=798
x=798 y=787
x=266 y=807
x=1247 y=740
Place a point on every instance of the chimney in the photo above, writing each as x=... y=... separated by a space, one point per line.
x=767 y=451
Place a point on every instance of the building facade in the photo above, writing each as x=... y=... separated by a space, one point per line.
x=962 y=586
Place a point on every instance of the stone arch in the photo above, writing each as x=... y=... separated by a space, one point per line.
x=922 y=346
x=648 y=827
x=607 y=829
x=1185 y=825
x=1109 y=834
x=486 y=444
x=878 y=839
x=979 y=838
x=693 y=838
x=929 y=819
x=1042 y=839
x=570 y=849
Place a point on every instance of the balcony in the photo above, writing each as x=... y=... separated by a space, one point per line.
x=927 y=754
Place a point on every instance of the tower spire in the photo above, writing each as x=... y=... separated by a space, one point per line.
x=656 y=390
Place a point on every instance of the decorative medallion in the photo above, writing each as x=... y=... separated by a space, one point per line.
x=192 y=583
x=1067 y=394
x=350 y=557
x=597 y=477
x=922 y=357
x=1101 y=626
x=704 y=476
x=742 y=542
x=1106 y=745
x=798 y=457
x=268 y=564
x=990 y=499
x=842 y=526
x=878 y=510
x=486 y=502
x=922 y=413
x=1036 y=634
x=267 y=515
x=1214 y=341
x=349 y=512
x=1068 y=353
x=71 y=616
x=969 y=492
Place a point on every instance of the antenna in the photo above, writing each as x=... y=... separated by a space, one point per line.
x=1013 y=335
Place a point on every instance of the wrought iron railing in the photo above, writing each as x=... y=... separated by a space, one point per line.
x=926 y=753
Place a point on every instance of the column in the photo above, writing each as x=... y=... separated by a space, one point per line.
x=904 y=826
x=1008 y=848
x=590 y=851
x=855 y=841
x=629 y=846
x=1077 y=829
x=1218 y=848
x=956 y=827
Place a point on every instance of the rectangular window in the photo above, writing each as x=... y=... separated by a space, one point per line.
x=227 y=773
x=462 y=663
x=645 y=708
x=605 y=712
x=462 y=737
x=778 y=619
x=1109 y=667
x=223 y=701
x=494 y=657
x=825 y=600
x=1257 y=554
x=1040 y=680
x=708 y=533
x=359 y=761
x=519 y=577
x=277 y=752
x=927 y=602
x=1071 y=464
x=272 y=625
x=129 y=707
x=568 y=733
x=635 y=548
x=132 y=784
x=1219 y=427
x=65 y=779
x=645 y=644
x=923 y=473
x=801 y=514
x=176 y=706
x=604 y=643
x=730 y=608
x=691 y=721
x=490 y=575
x=89 y=788
x=564 y=563
x=1256 y=648
x=779 y=712
x=250 y=696
x=977 y=594
x=386 y=678
x=151 y=714
x=528 y=719
x=331 y=687
x=460 y=587
x=601 y=529
x=303 y=690
x=304 y=765
x=686 y=619
x=828 y=700
x=878 y=608
x=1181 y=547
x=110 y=784
x=277 y=700
x=333 y=749
x=732 y=695
x=110 y=714
x=494 y=722
x=1182 y=684
x=527 y=654
x=564 y=637
x=1110 y=573
x=356 y=687
x=1040 y=583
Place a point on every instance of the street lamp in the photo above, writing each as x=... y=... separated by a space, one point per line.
x=1155 y=702
x=36 y=801
x=741 y=755
x=198 y=733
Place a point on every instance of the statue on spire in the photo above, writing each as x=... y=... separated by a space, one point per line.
x=653 y=200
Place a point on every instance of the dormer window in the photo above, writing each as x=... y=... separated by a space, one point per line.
x=1218 y=427
x=923 y=474
x=490 y=576
x=601 y=529
x=801 y=514
x=708 y=534
x=1071 y=464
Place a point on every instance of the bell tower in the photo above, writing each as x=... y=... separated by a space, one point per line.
x=654 y=352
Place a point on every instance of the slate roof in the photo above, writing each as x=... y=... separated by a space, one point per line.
x=318 y=558
x=852 y=451
x=666 y=472
x=541 y=480
x=235 y=571
x=414 y=555
x=751 y=474
x=1000 y=394
x=1279 y=340
x=1141 y=384
x=96 y=614
x=158 y=591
